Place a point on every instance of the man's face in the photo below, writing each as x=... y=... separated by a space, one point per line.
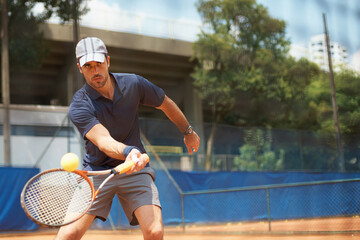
x=96 y=73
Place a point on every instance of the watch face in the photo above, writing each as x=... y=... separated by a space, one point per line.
x=190 y=130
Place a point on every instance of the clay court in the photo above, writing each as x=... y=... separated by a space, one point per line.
x=135 y=235
x=314 y=229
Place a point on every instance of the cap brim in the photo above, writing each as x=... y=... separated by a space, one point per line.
x=96 y=57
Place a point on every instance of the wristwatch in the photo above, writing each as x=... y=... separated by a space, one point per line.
x=189 y=130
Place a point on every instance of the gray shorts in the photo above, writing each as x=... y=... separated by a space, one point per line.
x=134 y=190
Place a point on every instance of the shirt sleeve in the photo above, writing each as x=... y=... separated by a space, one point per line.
x=150 y=94
x=82 y=115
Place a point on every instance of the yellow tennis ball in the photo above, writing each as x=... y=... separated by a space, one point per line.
x=69 y=162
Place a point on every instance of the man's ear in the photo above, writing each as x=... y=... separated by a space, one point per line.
x=79 y=68
x=108 y=61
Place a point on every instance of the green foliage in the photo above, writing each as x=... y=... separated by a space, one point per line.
x=27 y=46
x=325 y=157
x=25 y=40
x=67 y=10
x=256 y=154
x=238 y=33
x=348 y=101
x=245 y=75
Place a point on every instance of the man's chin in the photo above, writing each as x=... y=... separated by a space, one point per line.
x=96 y=84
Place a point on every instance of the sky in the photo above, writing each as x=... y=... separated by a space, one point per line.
x=180 y=19
x=304 y=19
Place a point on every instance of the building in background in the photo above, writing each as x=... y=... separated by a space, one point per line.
x=318 y=53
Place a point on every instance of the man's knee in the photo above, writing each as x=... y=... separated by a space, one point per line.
x=156 y=232
x=76 y=229
x=68 y=235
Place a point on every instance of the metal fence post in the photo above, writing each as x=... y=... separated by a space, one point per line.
x=182 y=212
x=268 y=208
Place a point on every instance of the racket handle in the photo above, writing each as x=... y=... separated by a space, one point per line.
x=126 y=166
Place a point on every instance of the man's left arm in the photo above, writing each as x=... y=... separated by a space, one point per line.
x=173 y=112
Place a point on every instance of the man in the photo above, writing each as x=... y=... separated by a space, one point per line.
x=105 y=112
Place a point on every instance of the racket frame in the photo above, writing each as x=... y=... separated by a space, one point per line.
x=37 y=176
x=121 y=168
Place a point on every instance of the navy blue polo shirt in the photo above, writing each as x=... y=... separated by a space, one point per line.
x=119 y=117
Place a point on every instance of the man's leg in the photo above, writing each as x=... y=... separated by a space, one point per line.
x=150 y=221
x=75 y=230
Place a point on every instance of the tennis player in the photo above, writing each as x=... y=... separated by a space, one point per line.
x=105 y=111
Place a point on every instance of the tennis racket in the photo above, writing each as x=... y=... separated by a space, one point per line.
x=57 y=198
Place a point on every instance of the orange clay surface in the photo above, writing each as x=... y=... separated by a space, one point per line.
x=301 y=229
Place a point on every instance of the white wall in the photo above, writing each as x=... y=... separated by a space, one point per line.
x=33 y=149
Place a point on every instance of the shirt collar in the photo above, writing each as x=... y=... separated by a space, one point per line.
x=95 y=94
x=92 y=92
x=119 y=81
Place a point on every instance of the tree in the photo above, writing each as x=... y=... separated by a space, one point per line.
x=347 y=82
x=257 y=153
x=27 y=46
x=67 y=10
x=236 y=36
x=319 y=97
x=25 y=40
x=23 y=44
x=289 y=94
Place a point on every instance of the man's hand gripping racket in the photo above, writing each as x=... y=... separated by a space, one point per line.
x=56 y=197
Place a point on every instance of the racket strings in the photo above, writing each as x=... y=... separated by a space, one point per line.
x=57 y=198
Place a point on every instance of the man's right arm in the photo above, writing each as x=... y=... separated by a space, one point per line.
x=101 y=137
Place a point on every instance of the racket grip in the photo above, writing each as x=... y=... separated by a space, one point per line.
x=126 y=166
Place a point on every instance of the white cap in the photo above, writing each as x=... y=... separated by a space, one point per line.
x=90 y=49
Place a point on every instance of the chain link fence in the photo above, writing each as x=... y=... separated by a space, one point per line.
x=327 y=206
x=330 y=206
x=253 y=149
x=234 y=148
x=324 y=206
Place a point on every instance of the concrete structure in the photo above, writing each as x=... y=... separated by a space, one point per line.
x=318 y=53
x=165 y=62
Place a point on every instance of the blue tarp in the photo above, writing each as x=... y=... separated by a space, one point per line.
x=12 y=216
x=284 y=203
x=195 y=181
